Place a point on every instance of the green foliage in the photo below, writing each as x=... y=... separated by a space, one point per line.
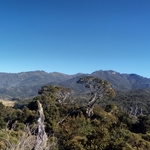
x=97 y=85
x=133 y=99
x=143 y=125
x=2 y=123
x=109 y=128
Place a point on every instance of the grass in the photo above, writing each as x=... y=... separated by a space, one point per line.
x=7 y=102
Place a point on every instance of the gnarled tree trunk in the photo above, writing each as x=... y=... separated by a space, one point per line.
x=41 y=139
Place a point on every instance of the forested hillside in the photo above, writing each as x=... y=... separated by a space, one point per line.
x=26 y=84
x=100 y=119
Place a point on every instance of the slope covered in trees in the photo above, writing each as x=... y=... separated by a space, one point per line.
x=69 y=125
x=26 y=84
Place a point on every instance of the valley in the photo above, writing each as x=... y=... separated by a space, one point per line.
x=8 y=103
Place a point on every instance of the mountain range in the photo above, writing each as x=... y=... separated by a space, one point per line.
x=26 y=84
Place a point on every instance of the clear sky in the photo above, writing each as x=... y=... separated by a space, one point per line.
x=72 y=36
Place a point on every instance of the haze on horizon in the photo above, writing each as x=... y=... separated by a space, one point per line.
x=75 y=36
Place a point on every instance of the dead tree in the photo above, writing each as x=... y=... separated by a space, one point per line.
x=62 y=94
x=41 y=139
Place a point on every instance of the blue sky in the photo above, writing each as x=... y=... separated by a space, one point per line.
x=72 y=36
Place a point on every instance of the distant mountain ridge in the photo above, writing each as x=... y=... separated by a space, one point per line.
x=27 y=84
x=123 y=81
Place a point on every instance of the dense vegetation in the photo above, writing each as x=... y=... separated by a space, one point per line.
x=120 y=123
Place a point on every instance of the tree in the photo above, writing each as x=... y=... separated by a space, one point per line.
x=98 y=89
x=60 y=93
x=41 y=140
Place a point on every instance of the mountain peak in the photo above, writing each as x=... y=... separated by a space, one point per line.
x=27 y=84
x=105 y=72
